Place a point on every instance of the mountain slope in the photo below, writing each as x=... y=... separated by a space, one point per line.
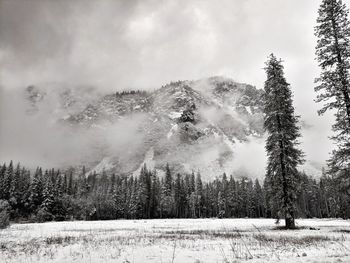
x=192 y=125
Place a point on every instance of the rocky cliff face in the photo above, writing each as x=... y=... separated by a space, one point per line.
x=189 y=124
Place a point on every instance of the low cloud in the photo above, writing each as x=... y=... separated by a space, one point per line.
x=38 y=139
x=250 y=158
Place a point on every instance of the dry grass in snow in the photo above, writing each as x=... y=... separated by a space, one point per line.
x=176 y=240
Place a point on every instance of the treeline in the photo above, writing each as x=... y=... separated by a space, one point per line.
x=53 y=195
x=130 y=92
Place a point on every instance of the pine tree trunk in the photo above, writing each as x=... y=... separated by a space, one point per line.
x=289 y=213
x=290 y=221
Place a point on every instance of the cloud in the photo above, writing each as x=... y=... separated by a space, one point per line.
x=116 y=45
x=250 y=158
x=37 y=139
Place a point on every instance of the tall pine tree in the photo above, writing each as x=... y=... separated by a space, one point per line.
x=281 y=145
x=333 y=55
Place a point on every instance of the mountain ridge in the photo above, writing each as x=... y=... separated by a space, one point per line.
x=192 y=125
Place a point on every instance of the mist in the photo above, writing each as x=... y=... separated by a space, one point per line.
x=119 y=45
x=40 y=138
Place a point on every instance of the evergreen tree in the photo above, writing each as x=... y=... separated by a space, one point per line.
x=155 y=194
x=14 y=185
x=192 y=186
x=118 y=201
x=242 y=197
x=104 y=184
x=2 y=171
x=14 y=191
x=70 y=185
x=179 y=196
x=333 y=54
x=92 y=178
x=225 y=191
x=232 y=198
x=6 y=187
x=24 y=189
x=134 y=198
x=250 y=199
x=221 y=205
x=281 y=145
x=199 y=194
x=258 y=199
x=192 y=204
x=112 y=184
x=82 y=186
x=2 y=181
x=47 y=205
x=36 y=190
x=145 y=192
x=167 y=198
x=65 y=183
x=168 y=180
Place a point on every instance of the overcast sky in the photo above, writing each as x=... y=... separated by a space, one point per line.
x=144 y=44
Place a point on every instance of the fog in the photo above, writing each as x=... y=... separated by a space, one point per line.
x=39 y=139
x=116 y=45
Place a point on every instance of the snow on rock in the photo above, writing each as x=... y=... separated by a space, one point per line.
x=174 y=115
x=247 y=108
x=149 y=161
x=312 y=168
x=98 y=126
x=228 y=142
x=106 y=164
x=172 y=130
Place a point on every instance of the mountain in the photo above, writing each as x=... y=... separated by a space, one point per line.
x=192 y=125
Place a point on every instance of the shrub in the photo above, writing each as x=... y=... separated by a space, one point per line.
x=43 y=216
x=4 y=214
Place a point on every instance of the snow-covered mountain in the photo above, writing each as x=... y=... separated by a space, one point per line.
x=192 y=125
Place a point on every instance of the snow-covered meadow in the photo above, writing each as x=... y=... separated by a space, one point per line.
x=176 y=240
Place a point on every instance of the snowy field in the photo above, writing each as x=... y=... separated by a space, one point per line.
x=176 y=240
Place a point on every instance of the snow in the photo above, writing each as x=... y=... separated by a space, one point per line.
x=312 y=169
x=172 y=130
x=66 y=117
x=248 y=110
x=216 y=135
x=176 y=240
x=228 y=142
x=98 y=126
x=106 y=164
x=174 y=115
x=149 y=161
